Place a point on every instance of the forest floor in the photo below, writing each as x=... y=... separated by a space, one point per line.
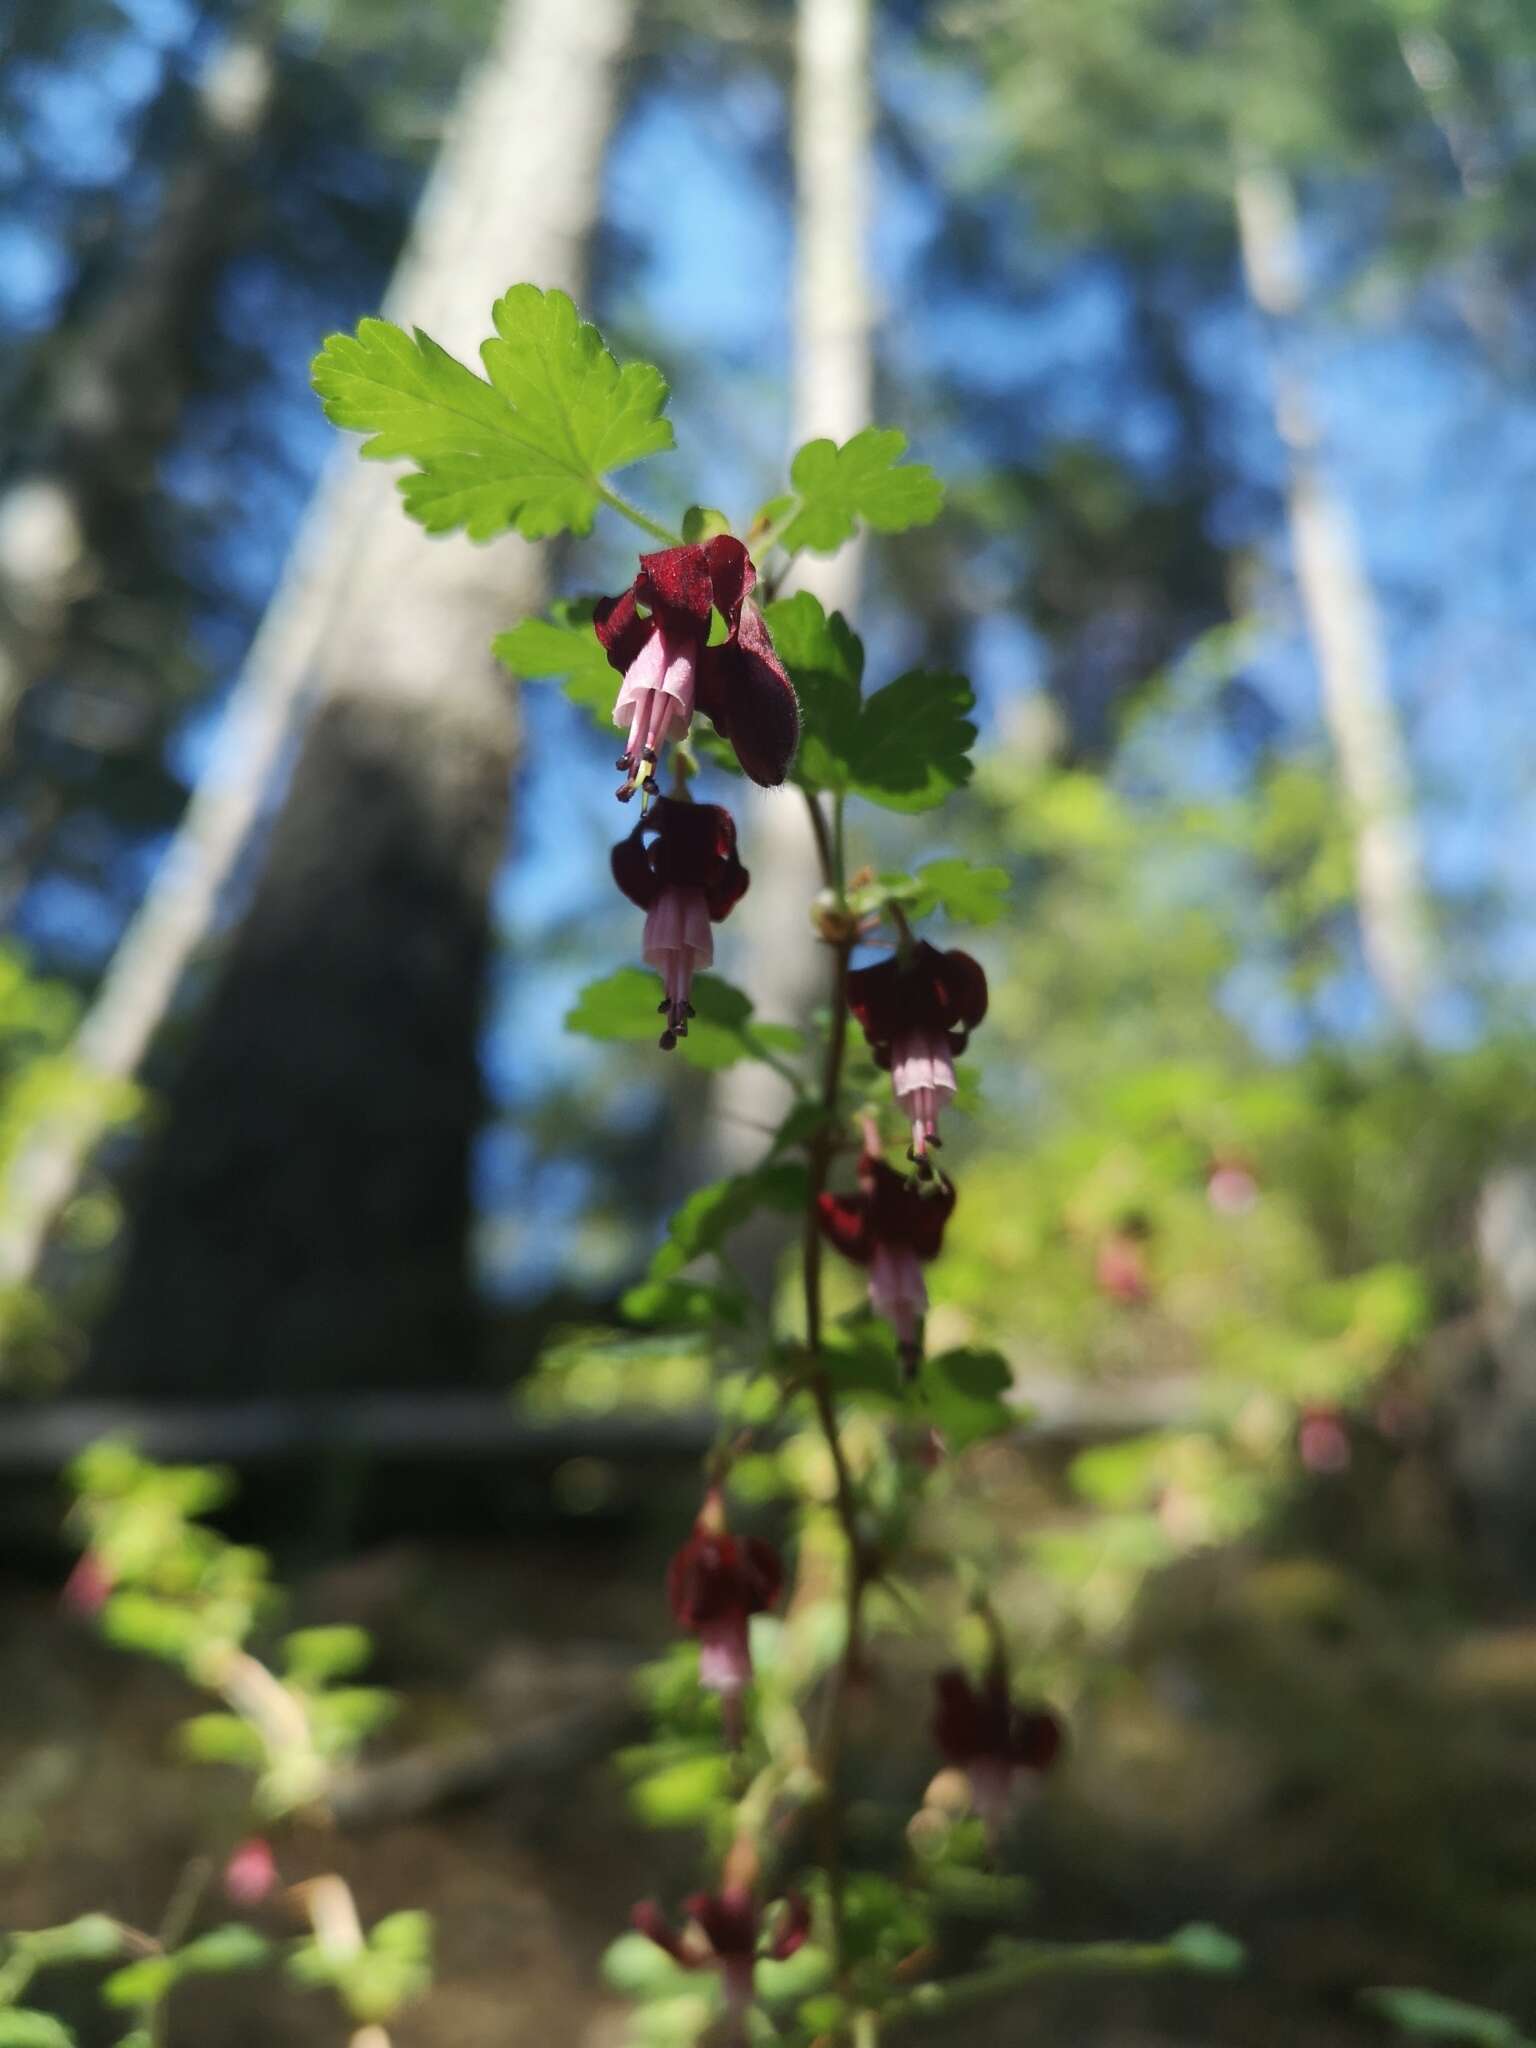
x=1330 y=1756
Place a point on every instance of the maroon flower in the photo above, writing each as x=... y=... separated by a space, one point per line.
x=723 y=1931
x=251 y=1872
x=892 y=1225
x=715 y=1583
x=663 y=654
x=997 y=1744
x=680 y=865
x=918 y=1009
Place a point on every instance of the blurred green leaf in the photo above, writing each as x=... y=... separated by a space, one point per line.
x=960 y=1392
x=636 y=1967
x=563 y=648
x=145 y=1982
x=683 y=1304
x=685 y=1793
x=1203 y=1947
x=1428 y=2017
x=623 y=1008
x=711 y=1213
x=316 y=1655
x=221 y=1739
x=21 y=2027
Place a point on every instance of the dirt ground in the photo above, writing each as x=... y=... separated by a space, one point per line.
x=1343 y=1776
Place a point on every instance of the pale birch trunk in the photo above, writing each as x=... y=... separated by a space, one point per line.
x=832 y=396
x=305 y=1214
x=1345 y=629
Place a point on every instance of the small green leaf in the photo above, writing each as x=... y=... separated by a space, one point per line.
x=623 y=1007
x=344 y=1718
x=21 y=2027
x=796 y=1977
x=683 y=1794
x=1203 y=1947
x=864 y=480
x=155 y=1628
x=711 y=1213
x=235 y=1947
x=221 y=1739
x=93 y=1938
x=529 y=448
x=145 y=1982
x=316 y=1655
x=702 y=523
x=1429 y=2017
x=912 y=749
x=961 y=1393
x=636 y=1967
x=563 y=648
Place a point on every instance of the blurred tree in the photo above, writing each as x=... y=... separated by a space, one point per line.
x=303 y=1218
x=832 y=395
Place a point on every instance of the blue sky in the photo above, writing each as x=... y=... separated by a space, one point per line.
x=1435 y=454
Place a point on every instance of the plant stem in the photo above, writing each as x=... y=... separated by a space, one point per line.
x=820 y=1152
x=1084 y=1959
x=638 y=518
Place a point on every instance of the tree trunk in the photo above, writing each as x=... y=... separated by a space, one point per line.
x=304 y=1216
x=833 y=379
x=1345 y=629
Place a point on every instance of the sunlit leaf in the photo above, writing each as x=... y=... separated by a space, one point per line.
x=863 y=482
x=528 y=448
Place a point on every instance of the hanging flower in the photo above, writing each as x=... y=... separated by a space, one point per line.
x=656 y=634
x=892 y=1226
x=918 y=1009
x=715 y=1583
x=998 y=1745
x=680 y=865
x=724 y=1931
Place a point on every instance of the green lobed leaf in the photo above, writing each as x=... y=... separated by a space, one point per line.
x=623 y=1008
x=529 y=448
x=906 y=747
x=563 y=648
x=912 y=749
x=1429 y=2017
x=711 y=1213
x=865 y=481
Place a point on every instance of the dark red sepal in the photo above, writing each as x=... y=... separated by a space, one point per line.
x=928 y=991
